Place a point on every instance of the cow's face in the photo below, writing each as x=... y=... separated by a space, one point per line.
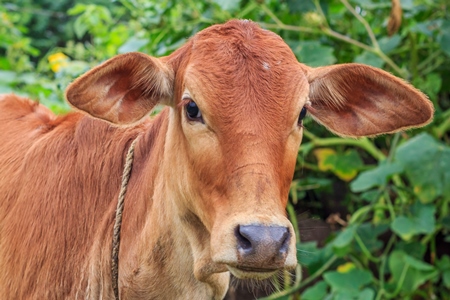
x=237 y=96
x=240 y=101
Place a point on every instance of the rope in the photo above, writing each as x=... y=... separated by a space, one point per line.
x=118 y=220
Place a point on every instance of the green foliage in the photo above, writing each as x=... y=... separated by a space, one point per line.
x=396 y=189
x=424 y=155
x=344 y=165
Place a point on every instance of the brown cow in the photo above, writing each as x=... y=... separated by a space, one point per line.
x=211 y=173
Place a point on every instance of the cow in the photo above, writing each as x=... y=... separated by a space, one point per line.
x=209 y=183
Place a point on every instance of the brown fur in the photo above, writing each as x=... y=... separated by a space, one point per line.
x=192 y=184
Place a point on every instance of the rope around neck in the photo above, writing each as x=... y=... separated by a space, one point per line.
x=118 y=220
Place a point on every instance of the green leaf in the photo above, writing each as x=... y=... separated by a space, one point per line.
x=5 y=89
x=229 y=5
x=446 y=278
x=427 y=28
x=429 y=84
x=345 y=237
x=427 y=165
x=417 y=264
x=369 y=233
x=364 y=3
x=444 y=265
x=7 y=77
x=420 y=220
x=446 y=222
x=404 y=227
x=316 y=292
x=444 y=39
x=370 y=59
x=133 y=44
x=345 y=165
x=325 y=157
x=312 y=257
x=366 y=294
x=409 y=273
x=313 y=53
x=80 y=28
x=370 y=196
x=445 y=43
x=415 y=249
x=77 y=9
x=351 y=281
x=375 y=177
x=344 y=295
x=296 y=6
x=387 y=44
x=411 y=8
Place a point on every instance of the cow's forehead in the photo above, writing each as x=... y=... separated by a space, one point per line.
x=247 y=70
x=240 y=44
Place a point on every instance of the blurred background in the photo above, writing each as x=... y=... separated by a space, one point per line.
x=372 y=215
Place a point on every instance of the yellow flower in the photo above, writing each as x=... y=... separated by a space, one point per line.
x=57 y=61
x=345 y=268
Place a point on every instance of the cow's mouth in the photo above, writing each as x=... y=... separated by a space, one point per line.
x=251 y=273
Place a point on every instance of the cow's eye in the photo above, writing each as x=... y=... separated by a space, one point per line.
x=193 y=112
x=302 y=116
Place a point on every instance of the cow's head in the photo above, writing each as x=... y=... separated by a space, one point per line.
x=238 y=96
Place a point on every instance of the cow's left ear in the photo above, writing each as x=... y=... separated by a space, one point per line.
x=357 y=100
x=124 y=89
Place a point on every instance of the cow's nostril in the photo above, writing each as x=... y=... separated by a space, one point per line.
x=264 y=242
x=243 y=240
x=284 y=240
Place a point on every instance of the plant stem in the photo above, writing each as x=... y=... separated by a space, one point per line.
x=365 y=250
x=328 y=31
x=319 y=9
x=430 y=68
x=364 y=22
x=304 y=282
x=396 y=178
x=251 y=6
x=362 y=143
x=393 y=147
x=346 y=39
x=414 y=57
x=426 y=239
x=389 y=204
x=381 y=274
x=442 y=128
x=289 y=27
x=433 y=250
x=293 y=218
x=399 y=284
x=402 y=73
x=426 y=62
x=310 y=166
x=383 y=266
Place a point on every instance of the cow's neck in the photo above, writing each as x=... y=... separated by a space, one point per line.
x=156 y=259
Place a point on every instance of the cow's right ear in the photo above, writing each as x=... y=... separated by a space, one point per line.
x=124 y=89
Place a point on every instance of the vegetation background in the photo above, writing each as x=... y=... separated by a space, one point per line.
x=373 y=213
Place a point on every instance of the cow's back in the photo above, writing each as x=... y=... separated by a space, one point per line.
x=59 y=177
x=22 y=122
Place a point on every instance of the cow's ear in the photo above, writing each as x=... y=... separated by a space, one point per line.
x=357 y=100
x=124 y=89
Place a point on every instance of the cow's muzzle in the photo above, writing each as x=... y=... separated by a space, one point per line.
x=260 y=249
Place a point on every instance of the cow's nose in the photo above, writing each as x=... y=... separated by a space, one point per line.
x=262 y=246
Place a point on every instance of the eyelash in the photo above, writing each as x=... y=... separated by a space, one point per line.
x=193 y=112
x=301 y=116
